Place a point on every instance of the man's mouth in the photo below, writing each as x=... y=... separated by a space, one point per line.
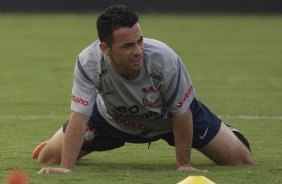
x=137 y=61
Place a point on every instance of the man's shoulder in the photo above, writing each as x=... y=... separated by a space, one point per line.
x=159 y=55
x=158 y=50
x=91 y=54
x=156 y=45
x=89 y=61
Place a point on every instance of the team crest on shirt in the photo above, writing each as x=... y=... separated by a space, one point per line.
x=152 y=96
x=90 y=135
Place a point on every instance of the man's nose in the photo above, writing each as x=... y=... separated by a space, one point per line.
x=138 y=49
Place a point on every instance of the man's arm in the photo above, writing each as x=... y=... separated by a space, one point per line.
x=72 y=143
x=183 y=135
x=73 y=140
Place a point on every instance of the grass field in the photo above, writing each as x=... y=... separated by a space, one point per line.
x=235 y=63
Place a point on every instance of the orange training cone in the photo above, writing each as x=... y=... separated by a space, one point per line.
x=17 y=177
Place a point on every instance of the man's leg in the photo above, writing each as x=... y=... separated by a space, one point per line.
x=226 y=149
x=51 y=152
x=240 y=136
x=96 y=139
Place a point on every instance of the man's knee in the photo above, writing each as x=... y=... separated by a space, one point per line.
x=246 y=159
x=226 y=149
x=240 y=136
x=51 y=152
x=49 y=156
x=244 y=155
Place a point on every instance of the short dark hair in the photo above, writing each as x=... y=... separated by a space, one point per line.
x=111 y=19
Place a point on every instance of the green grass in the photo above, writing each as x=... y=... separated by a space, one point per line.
x=235 y=63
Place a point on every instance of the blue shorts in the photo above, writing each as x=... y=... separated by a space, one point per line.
x=101 y=136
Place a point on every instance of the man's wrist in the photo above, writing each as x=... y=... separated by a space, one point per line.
x=183 y=165
x=67 y=166
x=66 y=170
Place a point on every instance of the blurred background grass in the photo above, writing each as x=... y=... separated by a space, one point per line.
x=234 y=62
x=231 y=59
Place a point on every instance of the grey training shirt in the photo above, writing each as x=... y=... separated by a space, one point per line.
x=143 y=106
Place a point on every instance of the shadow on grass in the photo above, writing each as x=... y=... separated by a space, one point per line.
x=124 y=165
x=135 y=165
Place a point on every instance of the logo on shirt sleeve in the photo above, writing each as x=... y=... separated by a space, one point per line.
x=186 y=96
x=79 y=100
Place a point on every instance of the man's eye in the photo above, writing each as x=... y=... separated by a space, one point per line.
x=140 y=42
x=126 y=45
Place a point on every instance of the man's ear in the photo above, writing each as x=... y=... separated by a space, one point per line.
x=104 y=48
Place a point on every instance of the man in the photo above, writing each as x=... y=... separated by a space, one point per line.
x=131 y=89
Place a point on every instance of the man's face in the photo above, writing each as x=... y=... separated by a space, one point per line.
x=126 y=51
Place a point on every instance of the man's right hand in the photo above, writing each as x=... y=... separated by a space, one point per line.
x=189 y=168
x=46 y=170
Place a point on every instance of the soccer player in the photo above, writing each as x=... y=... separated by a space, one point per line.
x=128 y=88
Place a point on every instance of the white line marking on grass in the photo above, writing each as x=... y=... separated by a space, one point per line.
x=250 y=117
x=34 y=117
